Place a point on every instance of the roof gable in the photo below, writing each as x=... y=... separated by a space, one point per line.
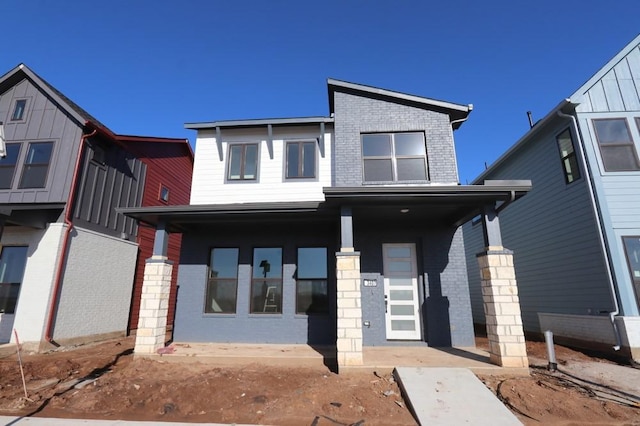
x=457 y=113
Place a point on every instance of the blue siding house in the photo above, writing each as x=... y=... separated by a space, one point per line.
x=577 y=234
x=341 y=230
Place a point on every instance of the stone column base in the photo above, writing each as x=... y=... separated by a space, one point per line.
x=154 y=306
x=349 y=339
x=507 y=346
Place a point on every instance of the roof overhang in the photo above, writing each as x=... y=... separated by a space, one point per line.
x=457 y=113
x=293 y=121
x=32 y=215
x=438 y=204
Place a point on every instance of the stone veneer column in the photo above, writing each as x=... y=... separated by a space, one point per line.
x=502 y=308
x=154 y=306
x=349 y=343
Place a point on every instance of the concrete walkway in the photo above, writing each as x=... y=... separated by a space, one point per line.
x=451 y=396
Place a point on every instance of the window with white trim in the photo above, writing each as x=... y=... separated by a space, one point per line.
x=618 y=152
x=568 y=156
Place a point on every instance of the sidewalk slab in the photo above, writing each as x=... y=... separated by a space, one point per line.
x=44 y=421
x=451 y=396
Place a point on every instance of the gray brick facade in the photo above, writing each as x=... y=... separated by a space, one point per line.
x=355 y=115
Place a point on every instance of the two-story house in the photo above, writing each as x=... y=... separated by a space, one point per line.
x=340 y=230
x=68 y=260
x=577 y=234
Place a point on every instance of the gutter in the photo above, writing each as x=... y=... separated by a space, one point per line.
x=65 y=243
x=603 y=242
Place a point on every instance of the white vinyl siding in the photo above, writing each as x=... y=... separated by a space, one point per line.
x=210 y=185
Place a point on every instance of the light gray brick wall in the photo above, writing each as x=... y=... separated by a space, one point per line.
x=355 y=115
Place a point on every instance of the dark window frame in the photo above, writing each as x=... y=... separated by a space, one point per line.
x=279 y=281
x=616 y=144
x=10 y=291
x=312 y=280
x=19 y=114
x=243 y=161
x=27 y=167
x=394 y=157
x=207 y=309
x=12 y=166
x=300 y=169
x=569 y=162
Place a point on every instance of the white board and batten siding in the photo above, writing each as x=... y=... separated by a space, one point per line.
x=210 y=184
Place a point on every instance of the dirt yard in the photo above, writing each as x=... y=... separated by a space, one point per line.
x=104 y=382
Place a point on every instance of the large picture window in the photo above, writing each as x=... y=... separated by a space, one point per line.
x=12 y=262
x=8 y=165
x=394 y=157
x=243 y=161
x=36 y=165
x=311 y=281
x=616 y=145
x=266 y=281
x=568 y=156
x=222 y=285
x=632 y=250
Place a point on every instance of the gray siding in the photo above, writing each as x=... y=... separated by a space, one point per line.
x=43 y=121
x=356 y=114
x=552 y=231
x=617 y=90
x=191 y=324
x=104 y=186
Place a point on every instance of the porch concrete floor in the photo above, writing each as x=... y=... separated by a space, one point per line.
x=381 y=358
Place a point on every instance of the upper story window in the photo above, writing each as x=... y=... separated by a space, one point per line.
x=19 y=110
x=568 y=156
x=8 y=165
x=243 y=161
x=36 y=165
x=616 y=145
x=301 y=159
x=164 y=194
x=394 y=157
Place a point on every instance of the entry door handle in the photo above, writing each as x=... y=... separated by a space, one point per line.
x=386 y=302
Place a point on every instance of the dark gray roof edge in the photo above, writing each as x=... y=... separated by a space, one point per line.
x=539 y=125
x=398 y=95
x=504 y=186
x=208 y=208
x=259 y=122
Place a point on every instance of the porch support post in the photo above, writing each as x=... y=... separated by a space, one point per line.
x=349 y=340
x=154 y=301
x=349 y=332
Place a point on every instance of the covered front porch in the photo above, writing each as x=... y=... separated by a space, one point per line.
x=422 y=221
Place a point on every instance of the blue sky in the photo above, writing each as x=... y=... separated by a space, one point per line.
x=146 y=67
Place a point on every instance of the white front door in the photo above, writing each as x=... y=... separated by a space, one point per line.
x=401 y=291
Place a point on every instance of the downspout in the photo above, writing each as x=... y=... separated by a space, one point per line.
x=65 y=243
x=587 y=173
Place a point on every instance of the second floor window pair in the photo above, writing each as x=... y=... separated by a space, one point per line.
x=34 y=169
x=300 y=158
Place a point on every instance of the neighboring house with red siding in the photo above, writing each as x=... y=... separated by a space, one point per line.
x=168 y=182
x=68 y=258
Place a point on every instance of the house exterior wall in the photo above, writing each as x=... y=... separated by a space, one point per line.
x=443 y=290
x=116 y=180
x=168 y=165
x=193 y=325
x=43 y=121
x=97 y=303
x=35 y=291
x=552 y=231
x=355 y=115
x=210 y=184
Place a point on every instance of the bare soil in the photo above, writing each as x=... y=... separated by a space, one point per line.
x=103 y=381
